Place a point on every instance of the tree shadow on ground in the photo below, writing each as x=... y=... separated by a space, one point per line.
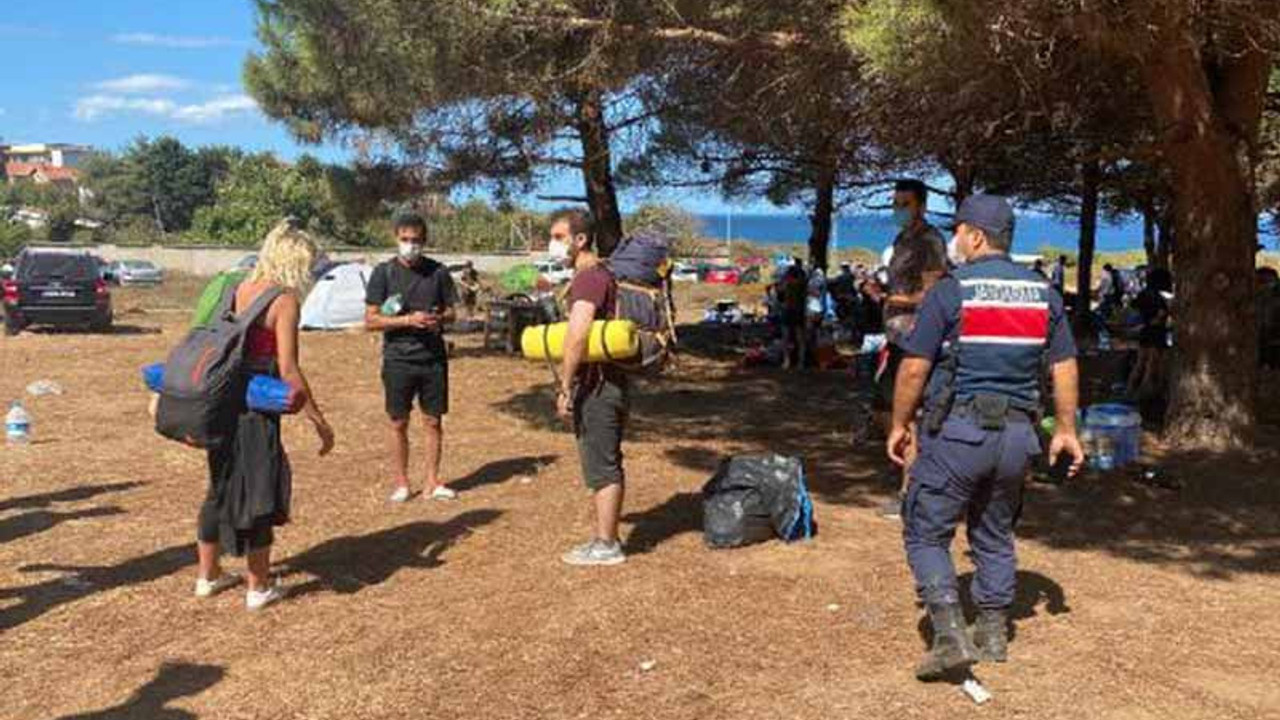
x=38 y=521
x=680 y=514
x=79 y=582
x=75 y=494
x=501 y=471
x=115 y=329
x=173 y=681
x=1223 y=520
x=1033 y=590
x=347 y=565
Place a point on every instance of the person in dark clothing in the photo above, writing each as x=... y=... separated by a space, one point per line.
x=250 y=482
x=794 y=292
x=410 y=299
x=1153 y=337
x=1268 y=304
x=593 y=397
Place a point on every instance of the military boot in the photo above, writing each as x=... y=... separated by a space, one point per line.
x=991 y=635
x=952 y=650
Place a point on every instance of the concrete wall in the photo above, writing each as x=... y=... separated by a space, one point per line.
x=206 y=260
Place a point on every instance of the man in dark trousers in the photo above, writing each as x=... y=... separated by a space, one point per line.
x=919 y=259
x=979 y=342
x=593 y=397
x=410 y=299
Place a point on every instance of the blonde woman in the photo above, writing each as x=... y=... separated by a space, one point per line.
x=249 y=478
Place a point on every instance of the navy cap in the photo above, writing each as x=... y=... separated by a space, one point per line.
x=991 y=213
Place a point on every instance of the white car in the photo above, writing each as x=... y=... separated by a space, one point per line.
x=684 y=273
x=554 y=272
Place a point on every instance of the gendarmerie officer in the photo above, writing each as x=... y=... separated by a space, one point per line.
x=980 y=342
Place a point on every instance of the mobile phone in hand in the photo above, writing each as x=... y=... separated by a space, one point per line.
x=1061 y=469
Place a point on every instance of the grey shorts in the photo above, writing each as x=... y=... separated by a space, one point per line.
x=599 y=418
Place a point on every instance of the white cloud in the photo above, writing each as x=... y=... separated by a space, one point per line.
x=95 y=106
x=143 y=83
x=216 y=109
x=219 y=108
x=182 y=42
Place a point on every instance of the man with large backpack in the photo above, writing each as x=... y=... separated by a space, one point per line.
x=410 y=299
x=593 y=397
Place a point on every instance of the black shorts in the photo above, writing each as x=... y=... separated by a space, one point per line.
x=600 y=416
x=428 y=384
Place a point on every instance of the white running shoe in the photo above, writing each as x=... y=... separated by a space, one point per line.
x=255 y=600
x=401 y=494
x=209 y=588
x=442 y=492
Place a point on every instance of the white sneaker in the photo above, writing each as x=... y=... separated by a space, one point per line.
x=442 y=492
x=401 y=494
x=257 y=599
x=209 y=588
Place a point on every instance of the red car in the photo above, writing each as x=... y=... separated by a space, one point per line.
x=723 y=276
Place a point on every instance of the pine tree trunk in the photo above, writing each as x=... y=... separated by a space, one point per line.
x=820 y=220
x=1091 y=188
x=1211 y=118
x=1164 y=239
x=597 y=169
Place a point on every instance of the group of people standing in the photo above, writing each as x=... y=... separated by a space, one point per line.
x=967 y=346
x=409 y=300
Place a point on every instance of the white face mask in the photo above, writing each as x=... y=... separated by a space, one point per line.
x=559 y=252
x=410 y=251
x=953 y=252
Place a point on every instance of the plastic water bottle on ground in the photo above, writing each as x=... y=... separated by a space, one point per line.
x=17 y=425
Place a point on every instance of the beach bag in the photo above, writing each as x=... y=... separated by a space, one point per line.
x=203 y=388
x=753 y=499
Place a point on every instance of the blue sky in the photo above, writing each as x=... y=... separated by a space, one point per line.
x=102 y=72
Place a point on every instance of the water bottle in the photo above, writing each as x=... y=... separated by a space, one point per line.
x=17 y=425
x=392 y=307
x=1104 y=341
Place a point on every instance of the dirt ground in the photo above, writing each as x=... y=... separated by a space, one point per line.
x=1134 y=602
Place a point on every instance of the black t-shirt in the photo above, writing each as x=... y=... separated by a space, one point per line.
x=424 y=287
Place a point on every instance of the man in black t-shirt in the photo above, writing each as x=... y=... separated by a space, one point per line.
x=410 y=299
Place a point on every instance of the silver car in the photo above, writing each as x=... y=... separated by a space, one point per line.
x=135 y=272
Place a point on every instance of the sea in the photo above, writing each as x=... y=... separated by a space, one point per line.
x=876 y=231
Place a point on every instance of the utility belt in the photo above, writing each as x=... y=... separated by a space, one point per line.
x=989 y=412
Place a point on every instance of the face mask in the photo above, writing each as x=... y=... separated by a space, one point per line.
x=953 y=252
x=410 y=251
x=558 y=251
x=902 y=217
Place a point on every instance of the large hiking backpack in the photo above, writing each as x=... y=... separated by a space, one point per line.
x=641 y=267
x=204 y=387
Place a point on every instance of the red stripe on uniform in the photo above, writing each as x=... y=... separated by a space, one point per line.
x=1004 y=322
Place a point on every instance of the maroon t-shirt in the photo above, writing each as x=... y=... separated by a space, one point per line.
x=597 y=286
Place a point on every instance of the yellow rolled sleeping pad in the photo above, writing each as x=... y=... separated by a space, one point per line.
x=609 y=340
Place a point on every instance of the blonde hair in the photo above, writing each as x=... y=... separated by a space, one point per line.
x=286 y=258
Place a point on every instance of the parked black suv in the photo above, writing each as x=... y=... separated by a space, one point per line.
x=56 y=288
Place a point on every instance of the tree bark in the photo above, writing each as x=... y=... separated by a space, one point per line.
x=1090 y=191
x=820 y=220
x=1210 y=112
x=597 y=169
x=964 y=178
x=1165 y=241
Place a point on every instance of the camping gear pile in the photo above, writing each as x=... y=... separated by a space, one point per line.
x=754 y=499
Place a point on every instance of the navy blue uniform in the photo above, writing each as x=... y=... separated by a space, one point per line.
x=987 y=329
